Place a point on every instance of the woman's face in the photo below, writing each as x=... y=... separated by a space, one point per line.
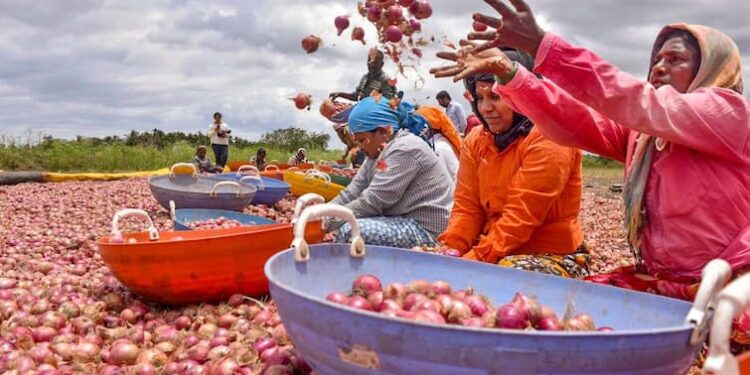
x=493 y=109
x=201 y=153
x=676 y=65
x=372 y=143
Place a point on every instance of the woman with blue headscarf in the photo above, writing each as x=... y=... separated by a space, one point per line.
x=402 y=194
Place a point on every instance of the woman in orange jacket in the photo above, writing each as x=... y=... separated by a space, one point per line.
x=518 y=194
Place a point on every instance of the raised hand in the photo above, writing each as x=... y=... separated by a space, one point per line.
x=470 y=60
x=516 y=29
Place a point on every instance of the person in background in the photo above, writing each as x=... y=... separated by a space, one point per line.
x=260 y=159
x=219 y=132
x=445 y=137
x=518 y=194
x=299 y=158
x=358 y=157
x=203 y=163
x=454 y=111
x=374 y=80
x=402 y=193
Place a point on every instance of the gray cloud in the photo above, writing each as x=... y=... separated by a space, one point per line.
x=99 y=68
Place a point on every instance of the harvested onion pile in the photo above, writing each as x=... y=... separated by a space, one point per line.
x=218 y=223
x=439 y=303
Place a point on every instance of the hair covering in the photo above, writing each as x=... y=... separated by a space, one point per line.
x=440 y=122
x=521 y=125
x=373 y=112
x=200 y=147
x=720 y=66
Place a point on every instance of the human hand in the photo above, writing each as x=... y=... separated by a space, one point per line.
x=470 y=60
x=516 y=29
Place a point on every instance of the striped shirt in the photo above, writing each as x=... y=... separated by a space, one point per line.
x=408 y=180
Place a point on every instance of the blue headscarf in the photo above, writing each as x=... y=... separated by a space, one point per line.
x=370 y=114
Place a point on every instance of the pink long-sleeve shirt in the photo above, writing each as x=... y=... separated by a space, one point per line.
x=698 y=189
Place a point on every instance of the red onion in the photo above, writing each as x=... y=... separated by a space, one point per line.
x=417 y=26
x=427 y=304
x=206 y=331
x=165 y=333
x=429 y=316
x=341 y=23
x=421 y=9
x=549 y=324
x=275 y=356
x=413 y=299
x=218 y=341
x=393 y=13
x=23 y=364
x=587 y=321
x=262 y=317
x=336 y=297
x=218 y=352
x=43 y=334
x=459 y=311
x=199 y=353
x=191 y=340
x=278 y=370
x=226 y=366
x=473 y=322
x=395 y=291
x=236 y=300
x=388 y=304
x=405 y=3
x=182 y=322
x=153 y=357
x=420 y=286
x=393 y=34
x=605 y=329
x=196 y=370
x=144 y=369
x=477 y=304
x=529 y=307
x=366 y=284
x=310 y=44
x=263 y=343
x=375 y=298
x=358 y=33
x=373 y=13
x=511 y=316
x=360 y=303
x=440 y=287
x=41 y=354
x=123 y=353
x=6 y=283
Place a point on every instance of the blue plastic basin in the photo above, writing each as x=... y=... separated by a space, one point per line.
x=650 y=338
x=274 y=190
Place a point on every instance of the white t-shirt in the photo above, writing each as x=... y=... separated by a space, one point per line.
x=446 y=154
x=215 y=139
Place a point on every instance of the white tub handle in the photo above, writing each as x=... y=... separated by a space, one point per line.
x=172 y=210
x=730 y=303
x=258 y=181
x=253 y=170
x=303 y=202
x=153 y=234
x=183 y=165
x=212 y=193
x=314 y=173
x=300 y=246
x=715 y=275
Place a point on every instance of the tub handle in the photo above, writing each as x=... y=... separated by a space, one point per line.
x=731 y=302
x=304 y=201
x=172 y=210
x=212 y=193
x=172 y=170
x=253 y=170
x=714 y=276
x=314 y=173
x=300 y=246
x=259 y=182
x=271 y=167
x=153 y=234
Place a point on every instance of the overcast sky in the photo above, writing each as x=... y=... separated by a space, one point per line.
x=96 y=68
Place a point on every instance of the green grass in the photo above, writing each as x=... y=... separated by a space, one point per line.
x=73 y=156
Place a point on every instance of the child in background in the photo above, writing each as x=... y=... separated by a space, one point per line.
x=203 y=163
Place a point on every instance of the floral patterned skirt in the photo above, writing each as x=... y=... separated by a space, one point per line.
x=572 y=265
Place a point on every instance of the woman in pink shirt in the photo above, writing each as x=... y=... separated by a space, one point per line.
x=684 y=137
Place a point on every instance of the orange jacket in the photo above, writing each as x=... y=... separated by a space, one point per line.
x=524 y=200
